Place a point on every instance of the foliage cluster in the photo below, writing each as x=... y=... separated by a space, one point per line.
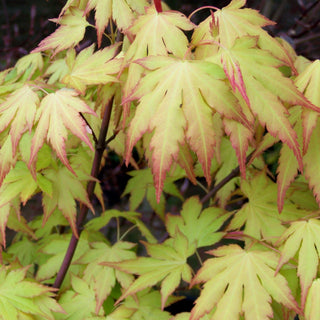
x=180 y=104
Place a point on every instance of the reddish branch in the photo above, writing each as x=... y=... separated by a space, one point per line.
x=234 y=173
x=100 y=147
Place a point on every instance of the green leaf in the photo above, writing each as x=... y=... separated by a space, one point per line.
x=260 y=215
x=66 y=188
x=145 y=303
x=18 y=182
x=141 y=186
x=19 y=295
x=134 y=217
x=200 y=227
x=80 y=302
x=166 y=264
x=103 y=278
x=55 y=247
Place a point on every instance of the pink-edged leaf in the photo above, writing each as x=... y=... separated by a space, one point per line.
x=71 y=31
x=18 y=111
x=239 y=137
x=311 y=160
x=273 y=115
x=58 y=112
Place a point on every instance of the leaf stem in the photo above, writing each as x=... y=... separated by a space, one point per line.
x=158 y=5
x=100 y=147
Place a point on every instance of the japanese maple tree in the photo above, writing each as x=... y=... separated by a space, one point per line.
x=192 y=110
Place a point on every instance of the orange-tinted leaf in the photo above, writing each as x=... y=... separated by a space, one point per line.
x=178 y=103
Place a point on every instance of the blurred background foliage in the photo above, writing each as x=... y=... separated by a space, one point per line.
x=23 y=23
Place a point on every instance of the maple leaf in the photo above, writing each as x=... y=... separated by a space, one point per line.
x=19 y=296
x=262 y=85
x=232 y=22
x=7 y=160
x=54 y=248
x=65 y=189
x=18 y=111
x=312 y=308
x=103 y=278
x=141 y=186
x=134 y=217
x=200 y=227
x=302 y=236
x=307 y=82
x=121 y=11
x=260 y=214
x=71 y=31
x=228 y=154
x=239 y=280
x=167 y=264
x=288 y=166
x=81 y=295
x=14 y=220
x=155 y=34
x=240 y=136
x=145 y=303
x=18 y=182
x=92 y=68
x=159 y=33
x=58 y=112
x=30 y=63
x=177 y=103
x=57 y=70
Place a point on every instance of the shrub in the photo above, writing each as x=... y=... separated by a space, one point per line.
x=208 y=105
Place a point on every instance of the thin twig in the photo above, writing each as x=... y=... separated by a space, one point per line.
x=234 y=173
x=88 y=124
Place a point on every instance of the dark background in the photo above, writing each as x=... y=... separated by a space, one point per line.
x=23 y=23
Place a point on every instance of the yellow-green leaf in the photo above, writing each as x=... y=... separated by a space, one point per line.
x=66 y=188
x=71 y=31
x=302 y=236
x=166 y=264
x=58 y=112
x=200 y=227
x=19 y=296
x=18 y=111
x=92 y=68
x=177 y=104
x=239 y=280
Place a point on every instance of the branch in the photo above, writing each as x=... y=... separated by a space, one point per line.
x=100 y=146
x=234 y=173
